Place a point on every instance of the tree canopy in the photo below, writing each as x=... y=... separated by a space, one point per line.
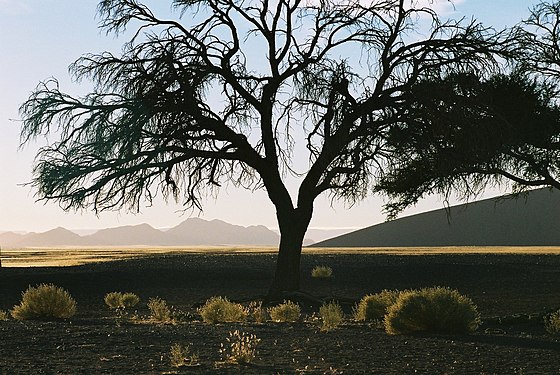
x=466 y=132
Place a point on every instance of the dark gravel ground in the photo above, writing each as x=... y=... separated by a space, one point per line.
x=507 y=286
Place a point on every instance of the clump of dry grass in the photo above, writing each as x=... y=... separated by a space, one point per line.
x=221 y=310
x=322 y=272
x=257 y=312
x=437 y=309
x=46 y=301
x=116 y=300
x=285 y=312
x=160 y=312
x=331 y=315
x=374 y=306
x=240 y=348
x=181 y=356
x=3 y=315
x=552 y=323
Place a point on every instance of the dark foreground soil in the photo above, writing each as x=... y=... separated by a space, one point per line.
x=93 y=343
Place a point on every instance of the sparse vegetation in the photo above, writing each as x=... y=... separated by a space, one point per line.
x=437 y=309
x=221 y=310
x=159 y=311
x=45 y=301
x=331 y=315
x=181 y=356
x=257 y=312
x=240 y=348
x=3 y=315
x=374 y=306
x=120 y=303
x=285 y=312
x=116 y=300
x=552 y=323
x=322 y=272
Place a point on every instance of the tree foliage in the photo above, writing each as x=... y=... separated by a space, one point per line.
x=464 y=132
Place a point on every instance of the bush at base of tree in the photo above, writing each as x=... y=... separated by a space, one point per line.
x=440 y=310
x=221 y=310
x=321 y=272
x=45 y=301
x=374 y=306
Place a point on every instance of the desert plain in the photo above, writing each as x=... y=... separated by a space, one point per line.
x=513 y=288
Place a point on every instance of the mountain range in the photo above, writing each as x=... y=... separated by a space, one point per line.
x=191 y=232
x=531 y=219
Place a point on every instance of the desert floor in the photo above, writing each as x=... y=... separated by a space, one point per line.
x=519 y=288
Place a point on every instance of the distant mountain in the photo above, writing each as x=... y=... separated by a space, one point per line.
x=130 y=235
x=8 y=238
x=191 y=232
x=528 y=220
x=195 y=231
x=54 y=237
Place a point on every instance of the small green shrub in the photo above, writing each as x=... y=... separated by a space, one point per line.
x=552 y=323
x=159 y=310
x=45 y=301
x=374 y=306
x=437 y=309
x=221 y=310
x=182 y=356
x=331 y=315
x=240 y=348
x=285 y=312
x=3 y=315
x=321 y=272
x=118 y=300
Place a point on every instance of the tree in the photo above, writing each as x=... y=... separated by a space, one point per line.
x=331 y=74
x=464 y=132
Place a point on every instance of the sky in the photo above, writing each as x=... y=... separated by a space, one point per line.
x=39 y=39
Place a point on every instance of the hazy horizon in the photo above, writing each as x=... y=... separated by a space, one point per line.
x=41 y=39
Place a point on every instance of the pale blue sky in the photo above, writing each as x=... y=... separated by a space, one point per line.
x=40 y=38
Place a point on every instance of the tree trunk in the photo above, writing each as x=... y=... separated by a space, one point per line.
x=293 y=225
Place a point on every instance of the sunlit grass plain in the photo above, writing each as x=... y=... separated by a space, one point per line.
x=72 y=256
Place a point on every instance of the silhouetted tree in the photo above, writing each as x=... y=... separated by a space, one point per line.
x=224 y=93
x=464 y=132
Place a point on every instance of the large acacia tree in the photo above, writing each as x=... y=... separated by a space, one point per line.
x=223 y=93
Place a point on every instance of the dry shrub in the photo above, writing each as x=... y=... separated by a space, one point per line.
x=159 y=310
x=129 y=300
x=437 y=309
x=374 y=306
x=321 y=272
x=45 y=301
x=552 y=323
x=221 y=310
x=331 y=315
x=3 y=315
x=113 y=300
x=240 y=348
x=285 y=312
x=181 y=356
x=118 y=300
x=257 y=312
